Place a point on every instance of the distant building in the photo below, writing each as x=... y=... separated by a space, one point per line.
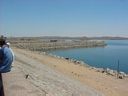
x=53 y=40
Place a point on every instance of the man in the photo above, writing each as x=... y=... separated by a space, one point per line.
x=6 y=56
x=6 y=59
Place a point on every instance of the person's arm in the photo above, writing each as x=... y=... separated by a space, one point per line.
x=1 y=56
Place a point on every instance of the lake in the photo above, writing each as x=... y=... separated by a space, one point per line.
x=101 y=57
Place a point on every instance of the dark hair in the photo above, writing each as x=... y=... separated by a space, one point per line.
x=2 y=40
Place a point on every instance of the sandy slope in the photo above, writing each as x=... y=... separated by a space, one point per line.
x=109 y=85
x=49 y=76
x=44 y=78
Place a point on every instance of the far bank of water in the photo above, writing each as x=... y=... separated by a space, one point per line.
x=101 y=57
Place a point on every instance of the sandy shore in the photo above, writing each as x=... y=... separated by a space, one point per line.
x=102 y=83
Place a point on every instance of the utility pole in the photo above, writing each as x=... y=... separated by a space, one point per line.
x=118 y=66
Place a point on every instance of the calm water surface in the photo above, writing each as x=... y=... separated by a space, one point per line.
x=106 y=57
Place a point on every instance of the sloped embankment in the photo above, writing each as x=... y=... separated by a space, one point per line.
x=41 y=80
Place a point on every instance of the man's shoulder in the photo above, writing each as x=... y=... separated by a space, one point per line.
x=5 y=49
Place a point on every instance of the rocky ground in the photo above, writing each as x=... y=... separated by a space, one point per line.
x=43 y=44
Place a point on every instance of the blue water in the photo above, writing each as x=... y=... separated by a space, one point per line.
x=101 y=57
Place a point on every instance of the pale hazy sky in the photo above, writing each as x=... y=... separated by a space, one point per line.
x=64 y=17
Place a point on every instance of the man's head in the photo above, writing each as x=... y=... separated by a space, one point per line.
x=2 y=40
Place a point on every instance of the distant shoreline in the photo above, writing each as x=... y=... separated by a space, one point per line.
x=41 y=44
x=47 y=44
x=102 y=70
x=81 y=37
x=96 y=65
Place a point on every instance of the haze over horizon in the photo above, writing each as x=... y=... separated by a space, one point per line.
x=72 y=18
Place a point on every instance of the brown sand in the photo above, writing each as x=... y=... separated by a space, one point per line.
x=108 y=85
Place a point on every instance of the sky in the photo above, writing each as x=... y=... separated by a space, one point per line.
x=64 y=18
